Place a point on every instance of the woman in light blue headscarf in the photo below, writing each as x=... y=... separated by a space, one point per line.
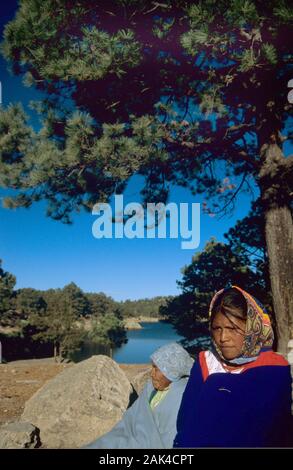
x=150 y=423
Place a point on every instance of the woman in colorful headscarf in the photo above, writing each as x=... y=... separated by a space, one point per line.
x=150 y=423
x=239 y=393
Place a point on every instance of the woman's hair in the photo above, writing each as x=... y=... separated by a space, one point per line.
x=232 y=302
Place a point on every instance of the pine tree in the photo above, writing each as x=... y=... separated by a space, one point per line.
x=58 y=324
x=7 y=283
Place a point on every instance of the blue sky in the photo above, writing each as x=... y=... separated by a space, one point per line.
x=43 y=253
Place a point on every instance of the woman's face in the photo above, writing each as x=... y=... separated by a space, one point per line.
x=228 y=333
x=160 y=382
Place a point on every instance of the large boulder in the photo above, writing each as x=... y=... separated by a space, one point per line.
x=19 y=435
x=80 y=404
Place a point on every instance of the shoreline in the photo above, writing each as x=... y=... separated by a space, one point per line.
x=134 y=323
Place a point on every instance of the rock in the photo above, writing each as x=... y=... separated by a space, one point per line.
x=132 y=325
x=80 y=404
x=19 y=435
x=27 y=381
x=140 y=380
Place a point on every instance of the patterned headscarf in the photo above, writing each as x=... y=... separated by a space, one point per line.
x=173 y=361
x=258 y=331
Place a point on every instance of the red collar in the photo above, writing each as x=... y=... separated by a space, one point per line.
x=267 y=358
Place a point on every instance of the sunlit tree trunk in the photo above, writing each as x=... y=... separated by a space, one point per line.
x=274 y=182
x=279 y=239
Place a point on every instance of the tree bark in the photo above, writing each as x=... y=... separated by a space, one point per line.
x=275 y=183
x=57 y=352
x=279 y=240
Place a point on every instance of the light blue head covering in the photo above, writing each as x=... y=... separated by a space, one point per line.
x=173 y=361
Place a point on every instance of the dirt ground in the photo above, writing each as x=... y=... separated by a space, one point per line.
x=19 y=380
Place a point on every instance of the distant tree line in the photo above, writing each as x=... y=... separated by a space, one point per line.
x=56 y=320
x=59 y=321
x=143 y=307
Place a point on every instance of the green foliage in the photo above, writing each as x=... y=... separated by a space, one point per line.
x=58 y=323
x=188 y=313
x=64 y=317
x=108 y=330
x=48 y=40
x=192 y=40
x=113 y=94
x=85 y=169
x=15 y=138
x=142 y=307
x=214 y=267
x=77 y=300
x=116 y=77
x=102 y=305
x=29 y=301
x=212 y=103
x=248 y=61
x=284 y=12
x=270 y=53
x=7 y=283
x=163 y=27
x=242 y=12
x=247 y=237
x=67 y=317
x=199 y=14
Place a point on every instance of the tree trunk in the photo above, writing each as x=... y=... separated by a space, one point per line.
x=60 y=353
x=279 y=240
x=275 y=183
x=57 y=352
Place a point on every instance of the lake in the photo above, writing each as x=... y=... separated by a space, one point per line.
x=141 y=344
